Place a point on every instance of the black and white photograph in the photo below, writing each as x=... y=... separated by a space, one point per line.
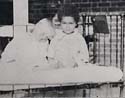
x=62 y=49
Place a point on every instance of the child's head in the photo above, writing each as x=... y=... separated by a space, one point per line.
x=68 y=16
x=45 y=34
x=50 y=8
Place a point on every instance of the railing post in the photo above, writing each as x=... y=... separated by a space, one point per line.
x=122 y=88
x=20 y=10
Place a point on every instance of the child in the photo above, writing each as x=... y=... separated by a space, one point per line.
x=68 y=48
x=47 y=24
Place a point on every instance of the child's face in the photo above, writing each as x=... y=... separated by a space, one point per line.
x=68 y=24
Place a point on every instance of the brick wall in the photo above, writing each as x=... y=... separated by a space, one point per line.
x=36 y=10
x=36 y=7
x=100 y=5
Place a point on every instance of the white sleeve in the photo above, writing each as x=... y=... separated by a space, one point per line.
x=51 y=49
x=81 y=54
x=53 y=45
x=9 y=54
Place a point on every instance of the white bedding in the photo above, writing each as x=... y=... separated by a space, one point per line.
x=88 y=73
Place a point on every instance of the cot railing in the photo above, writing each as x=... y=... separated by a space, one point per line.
x=85 y=90
x=104 y=49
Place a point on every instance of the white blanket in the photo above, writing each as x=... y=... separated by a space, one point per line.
x=88 y=73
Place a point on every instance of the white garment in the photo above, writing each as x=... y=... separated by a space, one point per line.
x=28 y=49
x=25 y=51
x=68 y=49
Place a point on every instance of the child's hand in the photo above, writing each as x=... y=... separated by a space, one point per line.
x=60 y=65
x=53 y=63
x=75 y=65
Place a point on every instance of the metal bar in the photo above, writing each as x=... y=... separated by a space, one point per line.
x=99 y=49
x=103 y=13
x=123 y=55
x=13 y=91
x=104 y=50
x=116 y=41
x=121 y=44
x=110 y=40
x=122 y=88
x=44 y=92
x=88 y=21
x=83 y=21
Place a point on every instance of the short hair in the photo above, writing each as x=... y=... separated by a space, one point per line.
x=51 y=8
x=68 y=10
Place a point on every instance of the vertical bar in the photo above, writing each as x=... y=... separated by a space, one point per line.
x=87 y=33
x=104 y=51
x=88 y=24
x=27 y=28
x=121 y=46
x=84 y=93
x=90 y=91
x=99 y=49
x=94 y=49
x=107 y=90
x=122 y=88
x=111 y=40
x=123 y=56
x=117 y=41
x=20 y=12
x=94 y=46
x=75 y=90
x=13 y=91
x=29 y=91
x=44 y=91
x=124 y=45
x=20 y=9
x=84 y=24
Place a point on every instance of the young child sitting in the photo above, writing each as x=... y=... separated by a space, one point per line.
x=68 y=48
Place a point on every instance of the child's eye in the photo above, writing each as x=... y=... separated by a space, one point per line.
x=67 y=23
x=71 y=23
x=63 y=22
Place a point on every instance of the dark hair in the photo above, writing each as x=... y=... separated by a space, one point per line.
x=68 y=10
x=51 y=8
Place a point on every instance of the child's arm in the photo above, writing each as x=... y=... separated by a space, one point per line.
x=53 y=62
x=81 y=54
x=51 y=55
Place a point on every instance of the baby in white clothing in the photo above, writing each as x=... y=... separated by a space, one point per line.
x=29 y=49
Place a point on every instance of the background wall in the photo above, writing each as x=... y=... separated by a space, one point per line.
x=36 y=7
